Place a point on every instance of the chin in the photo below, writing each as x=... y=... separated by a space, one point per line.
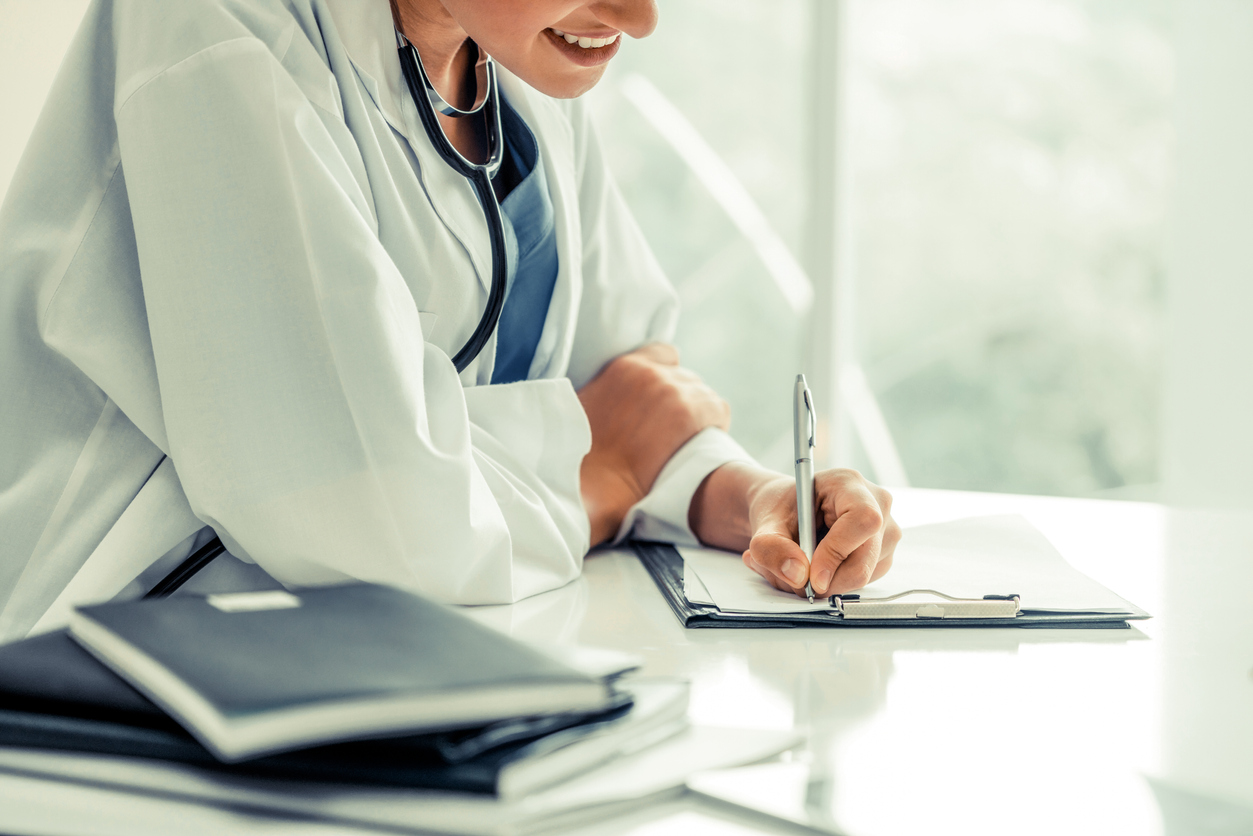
x=563 y=85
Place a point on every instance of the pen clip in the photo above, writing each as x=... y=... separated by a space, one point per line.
x=812 y=419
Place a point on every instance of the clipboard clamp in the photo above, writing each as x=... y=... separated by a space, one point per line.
x=853 y=607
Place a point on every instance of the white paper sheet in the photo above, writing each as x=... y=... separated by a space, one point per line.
x=970 y=558
x=734 y=588
x=693 y=589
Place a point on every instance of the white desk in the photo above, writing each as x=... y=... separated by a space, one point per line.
x=932 y=731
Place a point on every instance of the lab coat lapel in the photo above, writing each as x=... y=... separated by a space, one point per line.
x=366 y=31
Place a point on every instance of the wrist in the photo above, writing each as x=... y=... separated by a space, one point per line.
x=608 y=494
x=721 y=513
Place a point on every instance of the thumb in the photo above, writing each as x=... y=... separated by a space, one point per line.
x=776 y=557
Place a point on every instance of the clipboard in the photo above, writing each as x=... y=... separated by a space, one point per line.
x=912 y=610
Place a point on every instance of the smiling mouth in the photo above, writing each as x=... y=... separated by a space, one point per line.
x=583 y=50
x=584 y=42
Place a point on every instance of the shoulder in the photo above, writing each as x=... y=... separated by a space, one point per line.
x=151 y=36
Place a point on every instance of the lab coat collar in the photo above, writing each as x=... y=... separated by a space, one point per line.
x=366 y=30
x=368 y=34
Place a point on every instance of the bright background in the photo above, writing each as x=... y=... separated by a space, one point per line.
x=955 y=213
x=1006 y=167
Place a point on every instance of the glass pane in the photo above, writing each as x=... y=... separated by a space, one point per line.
x=1010 y=169
x=732 y=69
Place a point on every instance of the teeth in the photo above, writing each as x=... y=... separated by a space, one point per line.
x=586 y=43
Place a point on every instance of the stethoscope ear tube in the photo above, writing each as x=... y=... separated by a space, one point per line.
x=422 y=91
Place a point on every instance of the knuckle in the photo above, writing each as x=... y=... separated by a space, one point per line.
x=626 y=361
x=841 y=477
x=759 y=546
x=862 y=575
x=630 y=370
x=885 y=500
x=767 y=549
x=867 y=518
x=666 y=353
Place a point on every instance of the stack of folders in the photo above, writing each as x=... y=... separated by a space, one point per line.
x=353 y=685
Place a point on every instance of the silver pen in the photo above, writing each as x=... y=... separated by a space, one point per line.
x=803 y=425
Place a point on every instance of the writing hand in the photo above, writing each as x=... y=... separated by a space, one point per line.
x=856 y=549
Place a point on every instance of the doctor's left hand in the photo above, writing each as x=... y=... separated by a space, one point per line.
x=856 y=549
x=642 y=407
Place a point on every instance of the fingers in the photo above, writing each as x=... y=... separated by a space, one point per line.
x=849 y=555
x=663 y=353
x=881 y=568
x=891 y=536
x=854 y=572
x=857 y=549
x=768 y=577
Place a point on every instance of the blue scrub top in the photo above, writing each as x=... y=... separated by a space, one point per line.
x=531 y=247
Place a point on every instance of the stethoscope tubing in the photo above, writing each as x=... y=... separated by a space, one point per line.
x=480 y=177
x=500 y=274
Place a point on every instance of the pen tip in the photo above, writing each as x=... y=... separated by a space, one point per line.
x=811 y=599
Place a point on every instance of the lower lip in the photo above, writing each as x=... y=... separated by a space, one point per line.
x=584 y=57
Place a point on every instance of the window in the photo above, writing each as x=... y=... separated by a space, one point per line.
x=1002 y=175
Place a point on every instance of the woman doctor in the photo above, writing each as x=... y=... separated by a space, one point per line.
x=233 y=271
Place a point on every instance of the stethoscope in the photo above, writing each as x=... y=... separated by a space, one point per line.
x=487 y=102
x=428 y=101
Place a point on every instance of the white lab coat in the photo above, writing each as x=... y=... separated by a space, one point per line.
x=232 y=272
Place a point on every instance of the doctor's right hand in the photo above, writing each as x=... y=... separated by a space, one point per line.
x=642 y=407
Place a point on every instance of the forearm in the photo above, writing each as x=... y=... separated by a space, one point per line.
x=720 y=510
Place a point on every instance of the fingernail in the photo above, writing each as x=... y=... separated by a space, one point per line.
x=821 y=579
x=794 y=571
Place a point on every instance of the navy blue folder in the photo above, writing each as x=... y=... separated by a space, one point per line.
x=54 y=695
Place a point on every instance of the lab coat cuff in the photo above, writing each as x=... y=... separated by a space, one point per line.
x=662 y=514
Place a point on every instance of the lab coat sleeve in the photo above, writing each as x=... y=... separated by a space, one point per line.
x=628 y=302
x=308 y=420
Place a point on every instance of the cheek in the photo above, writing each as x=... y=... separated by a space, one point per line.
x=505 y=27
